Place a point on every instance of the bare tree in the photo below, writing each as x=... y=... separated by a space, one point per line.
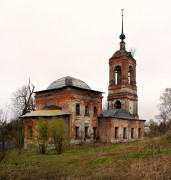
x=3 y=133
x=133 y=51
x=23 y=100
x=165 y=110
x=165 y=106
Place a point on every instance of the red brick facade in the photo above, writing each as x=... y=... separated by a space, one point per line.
x=90 y=104
x=123 y=87
x=107 y=130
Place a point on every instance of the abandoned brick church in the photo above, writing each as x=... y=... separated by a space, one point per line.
x=81 y=107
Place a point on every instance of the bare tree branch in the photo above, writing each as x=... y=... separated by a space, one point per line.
x=23 y=100
x=133 y=51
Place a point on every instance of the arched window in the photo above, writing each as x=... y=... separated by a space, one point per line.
x=117 y=75
x=117 y=104
x=130 y=75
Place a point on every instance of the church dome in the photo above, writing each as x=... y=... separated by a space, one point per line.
x=68 y=81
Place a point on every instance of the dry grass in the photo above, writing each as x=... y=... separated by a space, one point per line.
x=149 y=160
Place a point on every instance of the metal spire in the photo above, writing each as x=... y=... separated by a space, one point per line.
x=122 y=36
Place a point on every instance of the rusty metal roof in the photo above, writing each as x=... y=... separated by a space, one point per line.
x=47 y=111
x=122 y=52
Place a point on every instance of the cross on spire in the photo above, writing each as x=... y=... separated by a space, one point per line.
x=122 y=36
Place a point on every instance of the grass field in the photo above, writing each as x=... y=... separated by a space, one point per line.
x=149 y=159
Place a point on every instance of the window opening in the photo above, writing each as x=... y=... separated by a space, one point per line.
x=95 y=111
x=130 y=75
x=117 y=75
x=117 y=104
x=139 y=133
x=76 y=132
x=94 y=132
x=86 y=111
x=132 y=133
x=86 y=132
x=116 y=132
x=124 y=133
x=78 y=109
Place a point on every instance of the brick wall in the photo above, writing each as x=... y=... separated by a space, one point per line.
x=106 y=130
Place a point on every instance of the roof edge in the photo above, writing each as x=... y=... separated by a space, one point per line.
x=69 y=86
x=130 y=119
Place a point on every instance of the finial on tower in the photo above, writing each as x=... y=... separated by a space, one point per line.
x=122 y=36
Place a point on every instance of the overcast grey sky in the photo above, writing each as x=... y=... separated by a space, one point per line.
x=49 y=39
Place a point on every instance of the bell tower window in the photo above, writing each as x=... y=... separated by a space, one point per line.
x=117 y=75
x=117 y=105
x=130 y=75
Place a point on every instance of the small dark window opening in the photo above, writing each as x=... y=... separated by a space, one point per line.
x=124 y=133
x=132 y=133
x=117 y=105
x=95 y=111
x=78 y=109
x=94 y=132
x=86 y=111
x=30 y=132
x=139 y=133
x=117 y=75
x=130 y=75
x=116 y=132
x=76 y=132
x=86 y=132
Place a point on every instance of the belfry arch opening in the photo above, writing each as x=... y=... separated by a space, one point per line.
x=117 y=105
x=130 y=75
x=118 y=73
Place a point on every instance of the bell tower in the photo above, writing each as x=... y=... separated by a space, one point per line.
x=122 y=89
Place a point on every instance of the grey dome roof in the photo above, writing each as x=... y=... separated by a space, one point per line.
x=68 y=81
